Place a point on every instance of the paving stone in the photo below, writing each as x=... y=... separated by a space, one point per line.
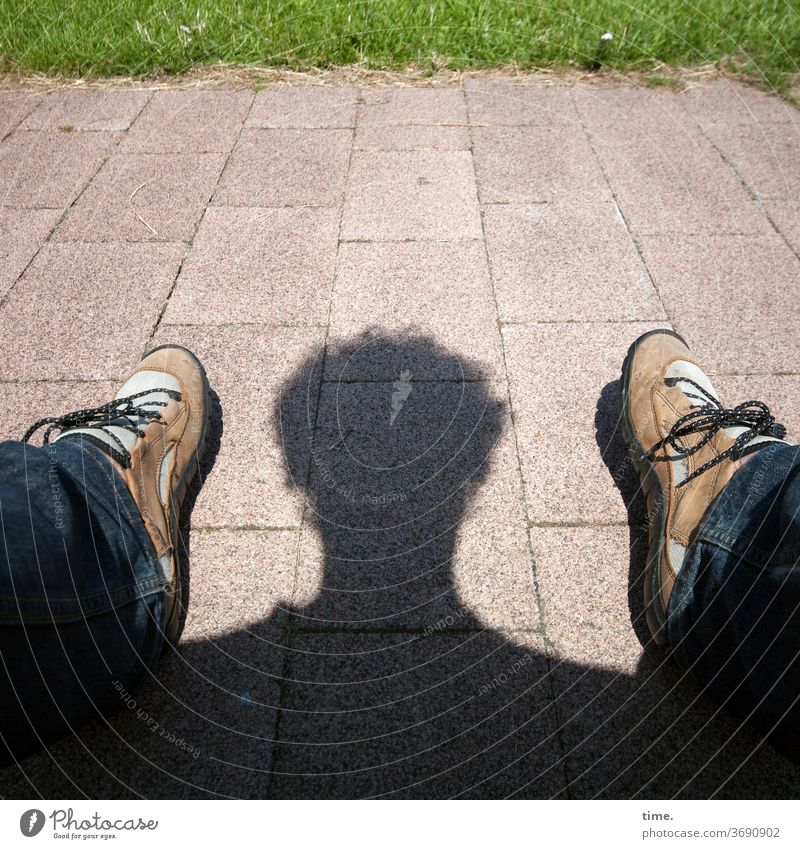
x=389 y=137
x=241 y=582
x=631 y=723
x=565 y=396
x=694 y=194
x=187 y=121
x=22 y=404
x=662 y=169
x=785 y=215
x=22 y=233
x=416 y=516
x=730 y=102
x=47 y=169
x=424 y=195
x=590 y=581
x=566 y=262
x=536 y=164
x=411 y=289
x=14 y=106
x=205 y=737
x=656 y=112
x=506 y=103
x=286 y=168
x=402 y=635
x=311 y=106
x=258 y=265
x=51 y=333
x=144 y=197
x=680 y=187
x=698 y=279
x=766 y=156
x=87 y=109
x=428 y=106
x=398 y=716
x=246 y=475
x=205 y=725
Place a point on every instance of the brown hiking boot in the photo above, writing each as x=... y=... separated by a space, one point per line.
x=155 y=432
x=685 y=445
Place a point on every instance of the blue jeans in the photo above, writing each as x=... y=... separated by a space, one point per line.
x=81 y=606
x=81 y=610
x=734 y=614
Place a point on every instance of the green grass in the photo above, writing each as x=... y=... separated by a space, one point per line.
x=143 y=37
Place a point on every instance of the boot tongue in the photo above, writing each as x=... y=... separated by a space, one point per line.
x=154 y=401
x=119 y=428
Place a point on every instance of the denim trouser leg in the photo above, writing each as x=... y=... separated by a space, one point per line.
x=734 y=615
x=80 y=593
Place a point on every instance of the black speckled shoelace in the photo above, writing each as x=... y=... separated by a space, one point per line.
x=709 y=418
x=121 y=412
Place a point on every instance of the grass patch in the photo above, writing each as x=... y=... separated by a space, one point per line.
x=146 y=37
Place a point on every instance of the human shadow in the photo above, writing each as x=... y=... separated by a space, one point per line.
x=378 y=675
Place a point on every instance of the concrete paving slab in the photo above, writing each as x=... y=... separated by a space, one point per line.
x=504 y=103
x=14 y=106
x=408 y=290
x=683 y=186
x=87 y=109
x=656 y=112
x=249 y=482
x=730 y=102
x=22 y=233
x=396 y=646
x=240 y=580
x=567 y=418
x=414 y=521
x=390 y=137
x=22 y=404
x=308 y=107
x=397 y=716
x=51 y=333
x=785 y=215
x=144 y=198
x=662 y=169
x=655 y=736
x=765 y=156
x=423 y=195
x=286 y=168
x=536 y=164
x=49 y=169
x=187 y=121
x=633 y=725
x=427 y=106
x=590 y=583
x=566 y=262
x=273 y=266
x=697 y=278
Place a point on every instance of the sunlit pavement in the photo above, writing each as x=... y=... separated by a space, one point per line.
x=384 y=263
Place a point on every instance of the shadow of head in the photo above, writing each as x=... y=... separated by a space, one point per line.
x=388 y=450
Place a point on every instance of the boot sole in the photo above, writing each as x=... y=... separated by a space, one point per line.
x=174 y=619
x=657 y=514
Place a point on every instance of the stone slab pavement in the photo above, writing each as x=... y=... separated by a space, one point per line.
x=416 y=558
